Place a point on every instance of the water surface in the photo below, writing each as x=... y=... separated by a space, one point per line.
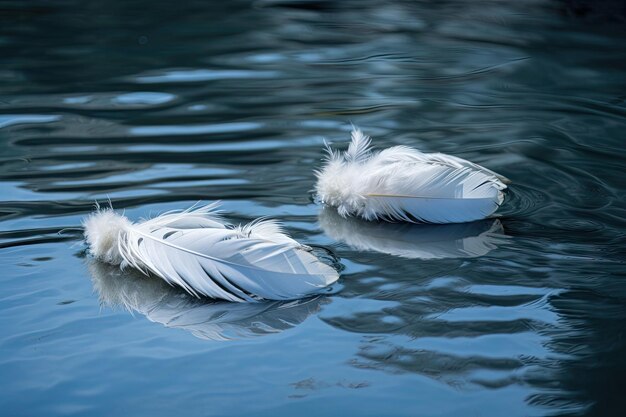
x=155 y=106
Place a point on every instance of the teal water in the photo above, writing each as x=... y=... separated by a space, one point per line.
x=157 y=105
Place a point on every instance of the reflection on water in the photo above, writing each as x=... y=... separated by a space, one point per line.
x=425 y=241
x=205 y=319
x=156 y=107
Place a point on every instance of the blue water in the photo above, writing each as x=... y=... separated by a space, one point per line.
x=157 y=105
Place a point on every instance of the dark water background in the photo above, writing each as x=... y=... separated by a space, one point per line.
x=156 y=105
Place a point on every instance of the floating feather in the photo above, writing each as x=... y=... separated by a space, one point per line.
x=415 y=241
x=404 y=184
x=213 y=320
x=195 y=250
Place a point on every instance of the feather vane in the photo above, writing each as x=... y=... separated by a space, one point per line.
x=195 y=250
x=404 y=184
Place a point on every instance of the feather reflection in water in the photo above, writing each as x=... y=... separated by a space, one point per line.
x=204 y=318
x=414 y=241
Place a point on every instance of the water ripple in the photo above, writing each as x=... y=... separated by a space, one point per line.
x=193 y=129
x=199 y=75
x=17 y=119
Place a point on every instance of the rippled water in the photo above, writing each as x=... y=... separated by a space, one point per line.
x=156 y=106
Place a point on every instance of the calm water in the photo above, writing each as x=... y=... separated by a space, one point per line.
x=157 y=105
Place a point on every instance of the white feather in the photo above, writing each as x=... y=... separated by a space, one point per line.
x=217 y=320
x=195 y=250
x=404 y=184
x=415 y=241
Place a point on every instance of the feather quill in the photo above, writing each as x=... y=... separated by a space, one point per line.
x=196 y=250
x=404 y=184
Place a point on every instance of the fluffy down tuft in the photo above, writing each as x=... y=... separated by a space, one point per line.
x=104 y=230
